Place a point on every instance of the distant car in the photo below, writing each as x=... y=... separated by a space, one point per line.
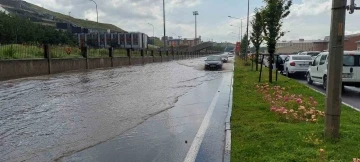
x=313 y=54
x=231 y=54
x=297 y=65
x=224 y=57
x=213 y=62
x=277 y=64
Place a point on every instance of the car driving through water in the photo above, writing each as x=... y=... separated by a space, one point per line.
x=213 y=62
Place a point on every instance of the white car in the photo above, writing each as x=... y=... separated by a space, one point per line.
x=351 y=69
x=224 y=57
x=297 y=65
x=231 y=54
x=313 y=54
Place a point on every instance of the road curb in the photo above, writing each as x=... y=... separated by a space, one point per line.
x=227 y=149
x=352 y=107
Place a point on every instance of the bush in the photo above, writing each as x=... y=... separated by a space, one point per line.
x=9 y=52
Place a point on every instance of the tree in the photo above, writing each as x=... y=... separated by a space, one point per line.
x=244 y=43
x=273 y=14
x=256 y=34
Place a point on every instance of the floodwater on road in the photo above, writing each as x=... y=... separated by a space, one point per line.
x=49 y=117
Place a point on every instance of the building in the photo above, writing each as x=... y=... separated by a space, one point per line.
x=287 y=50
x=183 y=42
x=358 y=45
x=166 y=38
x=320 y=45
x=301 y=44
x=350 y=43
x=175 y=42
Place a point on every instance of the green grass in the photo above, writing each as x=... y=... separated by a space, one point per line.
x=18 y=51
x=258 y=135
x=79 y=22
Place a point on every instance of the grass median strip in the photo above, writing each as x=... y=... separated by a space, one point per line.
x=261 y=134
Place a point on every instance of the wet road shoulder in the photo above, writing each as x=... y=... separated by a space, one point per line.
x=198 y=118
x=350 y=96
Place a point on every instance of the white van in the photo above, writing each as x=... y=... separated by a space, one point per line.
x=351 y=69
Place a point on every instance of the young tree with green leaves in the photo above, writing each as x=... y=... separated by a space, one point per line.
x=273 y=14
x=256 y=34
x=244 y=43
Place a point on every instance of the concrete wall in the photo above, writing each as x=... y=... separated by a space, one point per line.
x=136 y=61
x=11 y=69
x=165 y=58
x=121 y=61
x=148 y=60
x=62 y=65
x=157 y=59
x=95 y=63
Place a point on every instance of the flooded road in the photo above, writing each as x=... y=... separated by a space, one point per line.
x=51 y=117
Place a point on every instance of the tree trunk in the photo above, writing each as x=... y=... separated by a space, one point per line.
x=270 y=67
x=257 y=59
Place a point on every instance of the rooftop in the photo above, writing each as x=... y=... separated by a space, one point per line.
x=298 y=41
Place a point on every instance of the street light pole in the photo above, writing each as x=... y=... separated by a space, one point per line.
x=153 y=33
x=164 y=24
x=195 y=13
x=97 y=13
x=240 y=31
x=240 y=25
x=247 y=32
x=69 y=13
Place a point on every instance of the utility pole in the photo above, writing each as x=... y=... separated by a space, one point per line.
x=334 y=79
x=335 y=67
x=164 y=24
x=247 y=32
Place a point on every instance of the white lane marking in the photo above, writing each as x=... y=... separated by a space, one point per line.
x=195 y=146
x=342 y=102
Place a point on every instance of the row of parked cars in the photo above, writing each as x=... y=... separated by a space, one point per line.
x=314 y=66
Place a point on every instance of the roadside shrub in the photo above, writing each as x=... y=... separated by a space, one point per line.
x=9 y=52
x=247 y=63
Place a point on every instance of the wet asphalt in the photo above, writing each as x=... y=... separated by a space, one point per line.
x=139 y=113
x=351 y=95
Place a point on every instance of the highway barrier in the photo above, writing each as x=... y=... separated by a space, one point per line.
x=88 y=59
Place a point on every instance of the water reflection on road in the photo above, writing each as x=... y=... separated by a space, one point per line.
x=44 y=118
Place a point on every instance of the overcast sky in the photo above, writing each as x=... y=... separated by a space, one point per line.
x=309 y=19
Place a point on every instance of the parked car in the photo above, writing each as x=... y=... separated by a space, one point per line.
x=297 y=65
x=224 y=57
x=351 y=69
x=313 y=54
x=213 y=62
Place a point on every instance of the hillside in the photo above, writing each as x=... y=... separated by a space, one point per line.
x=28 y=10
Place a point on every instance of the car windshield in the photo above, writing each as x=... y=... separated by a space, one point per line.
x=213 y=58
x=301 y=58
